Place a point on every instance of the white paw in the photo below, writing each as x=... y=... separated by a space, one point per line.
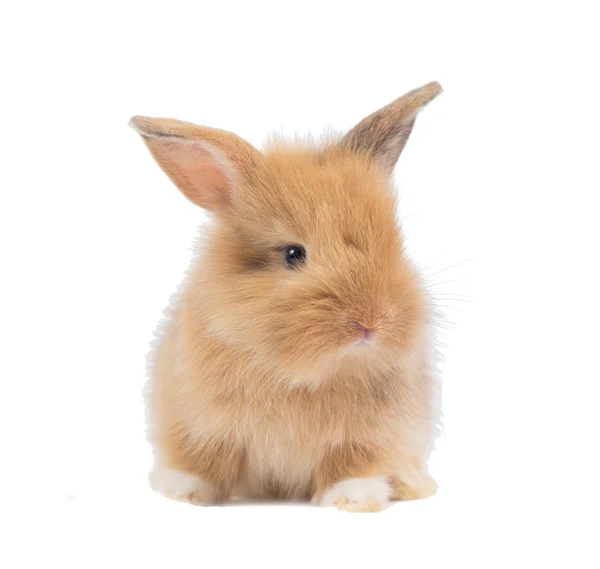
x=414 y=488
x=358 y=495
x=182 y=487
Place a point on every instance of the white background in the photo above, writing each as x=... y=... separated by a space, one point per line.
x=499 y=186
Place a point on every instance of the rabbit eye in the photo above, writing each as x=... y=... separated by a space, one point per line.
x=295 y=255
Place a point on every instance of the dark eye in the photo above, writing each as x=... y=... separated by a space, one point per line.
x=295 y=255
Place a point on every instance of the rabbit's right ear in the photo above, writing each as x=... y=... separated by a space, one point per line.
x=207 y=165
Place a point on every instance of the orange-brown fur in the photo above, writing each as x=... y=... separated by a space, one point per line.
x=254 y=387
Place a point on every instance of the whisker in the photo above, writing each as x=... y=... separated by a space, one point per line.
x=452 y=295
x=431 y=285
x=461 y=263
x=450 y=306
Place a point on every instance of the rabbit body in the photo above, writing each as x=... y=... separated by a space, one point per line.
x=297 y=361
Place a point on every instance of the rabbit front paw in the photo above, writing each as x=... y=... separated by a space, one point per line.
x=358 y=495
x=182 y=487
x=418 y=488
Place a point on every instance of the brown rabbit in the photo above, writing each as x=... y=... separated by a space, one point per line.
x=297 y=361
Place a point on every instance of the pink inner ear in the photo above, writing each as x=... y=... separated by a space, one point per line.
x=210 y=178
x=198 y=170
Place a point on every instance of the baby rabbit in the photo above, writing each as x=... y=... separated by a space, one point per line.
x=297 y=361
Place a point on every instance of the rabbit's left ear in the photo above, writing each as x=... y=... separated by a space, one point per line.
x=383 y=134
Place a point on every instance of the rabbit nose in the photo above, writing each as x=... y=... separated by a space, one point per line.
x=365 y=334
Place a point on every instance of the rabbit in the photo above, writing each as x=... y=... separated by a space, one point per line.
x=297 y=360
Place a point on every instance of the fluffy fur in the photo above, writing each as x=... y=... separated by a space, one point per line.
x=257 y=386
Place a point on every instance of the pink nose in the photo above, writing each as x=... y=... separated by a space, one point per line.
x=367 y=333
